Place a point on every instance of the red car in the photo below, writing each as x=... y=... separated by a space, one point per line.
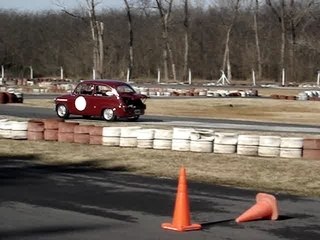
x=110 y=99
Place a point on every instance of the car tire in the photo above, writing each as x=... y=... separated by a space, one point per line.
x=62 y=111
x=109 y=115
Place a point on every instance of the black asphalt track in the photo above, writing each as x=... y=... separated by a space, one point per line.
x=80 y=202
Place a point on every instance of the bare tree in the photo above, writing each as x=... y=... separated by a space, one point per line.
x=257 y=41
x=165 y=8
x=131 y=59
x=97 y=28
x=280 y=14
x=226 y=55
x=186 y=40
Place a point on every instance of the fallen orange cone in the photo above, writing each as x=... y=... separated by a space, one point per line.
x=181 y=215
x=266 y=207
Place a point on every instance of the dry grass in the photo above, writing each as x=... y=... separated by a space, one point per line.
x=296 y=176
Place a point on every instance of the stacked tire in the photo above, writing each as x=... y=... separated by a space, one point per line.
x=201 y=140
x=248 y=145
x=35 y=130
x=181 y=139
x=96 y=135
x=291 y=147
x=162 y=139
x=19 y=130
x=82 y=134
x=111 y=136
x=128 y=136
x=311 y=149
x=225 y=143
x=269 y=146
x=51 y=127
x=145 y=138
x=66 y=132
x=5 y=129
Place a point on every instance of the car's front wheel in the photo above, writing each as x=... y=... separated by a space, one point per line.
x=62 y=111
x=109 y=115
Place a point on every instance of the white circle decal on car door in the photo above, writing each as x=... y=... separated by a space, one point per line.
x=80 y=103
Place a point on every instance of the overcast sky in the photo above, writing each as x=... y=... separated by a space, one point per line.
x=38 y=5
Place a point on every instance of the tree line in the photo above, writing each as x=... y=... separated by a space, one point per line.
x=236 y=36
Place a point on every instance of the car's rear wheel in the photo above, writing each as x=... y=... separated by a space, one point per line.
x=62 y=111
x=109 y=115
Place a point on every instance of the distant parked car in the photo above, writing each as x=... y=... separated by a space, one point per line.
x=110 y=99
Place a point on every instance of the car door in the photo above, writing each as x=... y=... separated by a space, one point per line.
x=82 y=99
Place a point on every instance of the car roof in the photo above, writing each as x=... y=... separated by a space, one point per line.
x=108 y=82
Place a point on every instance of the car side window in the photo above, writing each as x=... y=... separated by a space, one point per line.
x=84 y=89
x=102 y=90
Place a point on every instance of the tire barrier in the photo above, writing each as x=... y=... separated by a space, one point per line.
x=177 y=139
x=269 y=146
x=248 y=145
x=201 y=140
x=96 y=135
x=35 y=130
x=111 y=136
x=4 y=98
x=225 y=143
x=181 y=139
x=51 y=127
x=66 y=131
x=145 y=138
x=162 y=139
x=311 y=149
x=128 y=136
x=291 y=147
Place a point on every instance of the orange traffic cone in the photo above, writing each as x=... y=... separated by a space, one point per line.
x=181 y=215
x=266 y=207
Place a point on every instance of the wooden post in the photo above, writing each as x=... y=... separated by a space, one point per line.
x=2 y=72
x=61 y=73
x=159 y=75
x=283 y=77
x=94 y=74
x=318 y=78
x=253 y=77
x=31 y=72
x=189 y=76
x=128 y=75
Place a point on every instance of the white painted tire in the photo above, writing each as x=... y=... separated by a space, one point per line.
x=291 y=152
x=145 y=134
x=145 y=143
x=270 y=141
x=201 y=146
x=291 y=142
x=224 y=148
x=129 y=132
x=226 y=138
x=19 y=126
x=250 y=140
x=202 y=134
x=182 y=133
x=162 y=144
x=111 y=141
x=111 y=131
x=163 y=134
x=128 y=142
x=268 y=151
x=181 y=145
x=247 y=150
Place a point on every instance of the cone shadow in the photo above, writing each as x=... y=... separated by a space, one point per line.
x=207 y=225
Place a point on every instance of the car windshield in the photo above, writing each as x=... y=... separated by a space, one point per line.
x=125 y=89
